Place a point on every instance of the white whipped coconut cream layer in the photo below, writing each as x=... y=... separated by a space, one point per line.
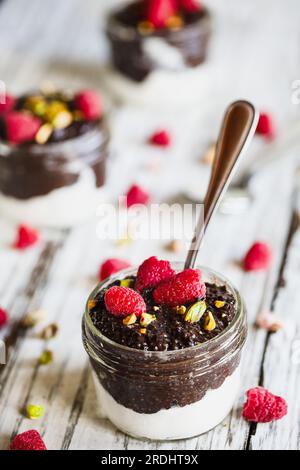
x=176 y=422
x=171 y=82
x=63 y=207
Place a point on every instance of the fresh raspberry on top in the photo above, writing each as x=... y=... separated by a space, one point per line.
x=161 y=138
x=263 y=407
x=258 y=257
x=28 y=440
x=266 y=126
x=190 y=6
x=8 y=105
x=122 y=301
x=183 y=288
x=137 y=195
x=159 y=11
x=26 y=237
x=3 y=317
x=151 y=272
x=21 y=127
x=112 y=266
x=89 y=102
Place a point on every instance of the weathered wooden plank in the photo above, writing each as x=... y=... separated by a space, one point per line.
x=64 y=387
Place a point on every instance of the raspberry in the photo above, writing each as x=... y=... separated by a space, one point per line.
x=258 y=257
x=26 y=237
x=159 y=11
x=29 y=440
x=137 y=195
x=190 y=6
x=266 y=126
x=89 y=102
x=151 y=272
x=21 y=127
x=263 y=407
x=183 y=288
x=123 y=301
x=161 y=138
x=112 y=266
x=8 y=105
x=3 y=317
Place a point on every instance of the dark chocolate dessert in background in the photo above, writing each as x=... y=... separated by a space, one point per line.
x=155 y=43
x=53 y=149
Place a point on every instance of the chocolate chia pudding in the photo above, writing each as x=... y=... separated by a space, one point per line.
x=165 y=370
x=53 y=150
x=152 y=55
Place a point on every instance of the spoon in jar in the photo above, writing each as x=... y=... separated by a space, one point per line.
x=238 y=127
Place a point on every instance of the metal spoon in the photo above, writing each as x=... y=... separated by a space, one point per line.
x=237 y=130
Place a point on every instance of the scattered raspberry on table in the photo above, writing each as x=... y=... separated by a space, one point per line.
x=258 y=257
x=28 y=440
x=263 y=407
x=26 y=237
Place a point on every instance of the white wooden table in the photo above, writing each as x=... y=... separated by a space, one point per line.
x=256 y=55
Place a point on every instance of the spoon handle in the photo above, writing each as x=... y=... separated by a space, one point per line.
x=238 y=127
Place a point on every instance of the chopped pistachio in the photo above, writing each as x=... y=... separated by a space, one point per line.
x=143 y=331
x=126 y=282
x=145 y=27
x=36 y=104
x=49 y=331
x=35 y=411
x=31 y=319
x=46 y=357
x=130 y=319
x=43 y=134
x=92 y=304
x=219 y=303
x=209 y=322
x=175 y=22
x=195 y=312
x=53 y=109
x=181 y=309
x=62 y=119
x=146 y=319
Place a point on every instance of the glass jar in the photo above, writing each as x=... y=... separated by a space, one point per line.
x=173 y=394
x=54 y=184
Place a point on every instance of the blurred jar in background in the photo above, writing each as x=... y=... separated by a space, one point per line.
x=53 y=151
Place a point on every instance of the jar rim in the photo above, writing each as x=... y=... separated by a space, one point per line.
x=224 y=335
x=92 y=134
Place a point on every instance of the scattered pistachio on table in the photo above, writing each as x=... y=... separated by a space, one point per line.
x=34 y=411
x=49 y=331
x=46 y=357
x=209 y=156
x=31 y=319
x=175 y=246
